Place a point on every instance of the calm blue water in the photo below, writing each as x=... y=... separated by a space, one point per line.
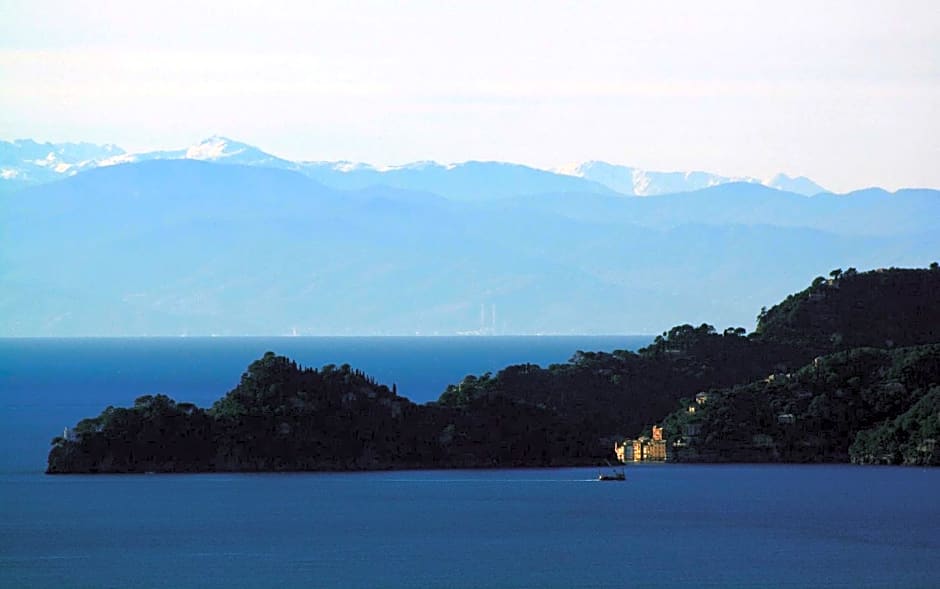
x=47 y=384
x=666 y=526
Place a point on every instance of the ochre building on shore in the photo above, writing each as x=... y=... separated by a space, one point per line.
x=643 y=449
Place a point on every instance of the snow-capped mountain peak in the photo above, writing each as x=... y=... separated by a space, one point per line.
x=24 y=162
x=637 y=182
x=799 y=184
x=417 y=166
x=215 y=147
x=347 y=166
x=46 y=162
x=122 y=158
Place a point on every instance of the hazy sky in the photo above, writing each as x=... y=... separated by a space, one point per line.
x=847 y=93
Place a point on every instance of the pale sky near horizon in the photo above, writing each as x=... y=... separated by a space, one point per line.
x=845 y=92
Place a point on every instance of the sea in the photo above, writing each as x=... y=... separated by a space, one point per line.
x=667 y=525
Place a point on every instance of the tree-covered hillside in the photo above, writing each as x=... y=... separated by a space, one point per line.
x=280 y=417
x=771 y=396
x=283 y=417
x=865 y=405
x=885 y=308
x=621 y=393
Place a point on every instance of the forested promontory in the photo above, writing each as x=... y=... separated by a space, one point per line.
x=621 y=394
x=284 y=417
x=845 y=370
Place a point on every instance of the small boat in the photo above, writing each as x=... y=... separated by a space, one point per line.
x=613 y=476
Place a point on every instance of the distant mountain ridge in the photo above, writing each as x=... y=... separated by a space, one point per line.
x=636 y=182
x=174 y=246
x=25 y=162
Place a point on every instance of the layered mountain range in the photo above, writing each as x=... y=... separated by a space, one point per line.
x=636 y=182
x=225 y=239
x=26 y=162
